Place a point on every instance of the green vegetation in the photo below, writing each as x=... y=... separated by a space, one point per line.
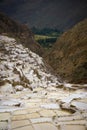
x=46 y=36
x=45 y=41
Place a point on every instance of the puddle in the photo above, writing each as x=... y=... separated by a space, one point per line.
x=40 y=120
x=10 y=105
x=74 y=96
x=8 y=109
x=79 y=105
x=12 y=102
x=63 y=112
x=50 y=106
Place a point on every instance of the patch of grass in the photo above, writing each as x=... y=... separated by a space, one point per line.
x=45 y=40
x=46 y=36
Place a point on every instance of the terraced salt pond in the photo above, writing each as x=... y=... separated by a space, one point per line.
x=44 y=108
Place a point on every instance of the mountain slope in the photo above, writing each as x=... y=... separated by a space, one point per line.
x=20 y=32
x=21 y=68
x=68 y=57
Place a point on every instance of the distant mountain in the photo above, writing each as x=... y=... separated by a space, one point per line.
x=68 y=56
x=60 y=14
x=46 y=31
x=19 y=31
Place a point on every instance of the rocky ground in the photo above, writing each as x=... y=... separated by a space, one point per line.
x=31 y=98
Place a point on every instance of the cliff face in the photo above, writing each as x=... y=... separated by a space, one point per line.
x=68 y=57
x=20 y=32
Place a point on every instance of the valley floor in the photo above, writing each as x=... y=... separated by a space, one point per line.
x=44 y=109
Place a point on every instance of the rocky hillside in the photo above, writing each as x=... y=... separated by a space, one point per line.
x=68 y=57
x=20 y=68
x=12 y=28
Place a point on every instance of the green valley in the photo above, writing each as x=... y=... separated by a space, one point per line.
x=46 y=36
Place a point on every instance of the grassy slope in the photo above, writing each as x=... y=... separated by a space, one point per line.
x=46 y=41
x=68 y=57
x=38 y=37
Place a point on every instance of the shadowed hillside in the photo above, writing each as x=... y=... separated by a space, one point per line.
x=20 y=32
x=68 y=57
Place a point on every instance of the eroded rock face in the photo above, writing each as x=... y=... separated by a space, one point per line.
x=21 y=68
